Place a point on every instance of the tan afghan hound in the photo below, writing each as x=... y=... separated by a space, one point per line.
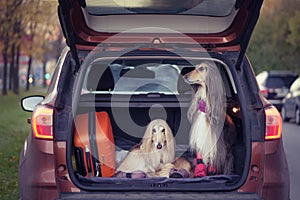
x=156 y=149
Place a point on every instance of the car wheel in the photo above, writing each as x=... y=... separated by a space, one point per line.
x=298 y=116
x=283 y=115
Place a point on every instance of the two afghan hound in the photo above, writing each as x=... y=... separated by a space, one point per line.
x=212 y=132
x=156 y=149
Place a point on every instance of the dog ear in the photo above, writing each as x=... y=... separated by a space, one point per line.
x=147 y=139
x=193 y=106
x=215 y=106
x=146 y=145
x=216 y=100
x=170 y=155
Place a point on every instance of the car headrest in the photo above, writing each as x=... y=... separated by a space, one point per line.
x=182 y=86
x=100 y=78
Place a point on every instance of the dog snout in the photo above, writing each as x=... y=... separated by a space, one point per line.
x=189 y=78
x=159 y=146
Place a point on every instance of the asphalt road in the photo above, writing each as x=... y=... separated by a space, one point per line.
x=291 y=141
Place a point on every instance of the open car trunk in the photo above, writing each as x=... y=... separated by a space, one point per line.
x=115 y=100
x=116 y=94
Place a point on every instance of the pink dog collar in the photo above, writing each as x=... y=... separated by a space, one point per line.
x=202 y=105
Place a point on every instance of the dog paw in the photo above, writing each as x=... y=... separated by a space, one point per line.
x=200 y=170
x=179 y=173
x=134 y=174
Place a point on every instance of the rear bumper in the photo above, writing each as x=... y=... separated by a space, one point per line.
x=36 y=171
x=161 y=195
x=276 y=174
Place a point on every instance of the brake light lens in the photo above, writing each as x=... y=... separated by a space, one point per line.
x=264 y=92
x=273 y=124
x=42 y=122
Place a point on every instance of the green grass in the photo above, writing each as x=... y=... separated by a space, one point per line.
x=13 y=131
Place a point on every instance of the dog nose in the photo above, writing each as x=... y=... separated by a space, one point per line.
x=159 y=146
x=185 y=77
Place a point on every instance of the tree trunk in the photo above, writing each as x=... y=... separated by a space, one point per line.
x=5 y=60
x=44 y=72
x=16 y=76
x=16 y=55
x=28 y=74
x=4 y=79
x=12 y=67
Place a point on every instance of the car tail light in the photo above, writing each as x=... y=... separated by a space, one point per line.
x=264 y=92
x=273 y=124
x=41 y=123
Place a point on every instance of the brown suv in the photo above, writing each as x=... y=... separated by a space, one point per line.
x=129 y=64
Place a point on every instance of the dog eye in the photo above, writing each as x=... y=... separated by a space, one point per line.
x=163 y=130
x=202 y=68
x=153 y=130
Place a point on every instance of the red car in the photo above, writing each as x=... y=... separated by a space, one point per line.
x=130 y=63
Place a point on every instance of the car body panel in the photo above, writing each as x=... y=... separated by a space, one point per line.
x=253 y=182
x=40 y=182
x=276 y=175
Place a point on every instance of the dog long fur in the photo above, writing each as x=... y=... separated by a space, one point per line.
x=207 y=134
x=156 y=149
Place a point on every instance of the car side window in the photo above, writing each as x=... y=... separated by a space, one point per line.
x=52 y=82
x=274 y=82
x=56 y=73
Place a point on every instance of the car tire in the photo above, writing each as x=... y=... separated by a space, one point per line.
x=298 y=116
x=283 y=115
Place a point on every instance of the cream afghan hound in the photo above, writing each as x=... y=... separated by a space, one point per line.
x=212 y=132
x=156 y=149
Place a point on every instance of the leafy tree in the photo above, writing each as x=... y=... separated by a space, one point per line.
x=8 y=15
x=294 y=28
x=276 y=36
x=293 y=38
x=30 y=26
x=41 y=26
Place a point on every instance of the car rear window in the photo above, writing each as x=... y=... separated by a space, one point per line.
x=280 y=81
x=134 y=76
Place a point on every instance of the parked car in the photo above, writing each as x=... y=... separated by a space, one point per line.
x=291 y=103
x=124 y=67
x=275 y=85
